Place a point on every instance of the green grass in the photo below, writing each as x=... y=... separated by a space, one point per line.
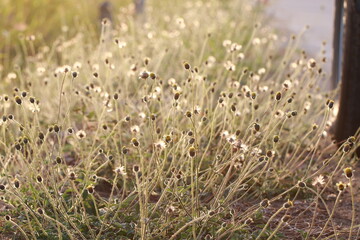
x=195 y=124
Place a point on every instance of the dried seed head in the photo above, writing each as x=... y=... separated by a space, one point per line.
x=90 y=189
x=56 y=128
x=135 y=142
x=152 y=75
x=276 y=139
x=269 y=153
x=177 y=96
x=253 y=95
x=125 y=150
x=351 y=140
x=2 y=187
x=186 y=65
x=341 y=186
x=18 y=146
x=7 y=218
x=144 y=75
x=348 y=172
x=39 y=179
x=346 y=148
x=18 y=100
x=81 y=134
x=288 y=204
x=301 y=184
x=330 y=103
x=265 y=203
x=16 y=183
x=311 y=63
x=188 y=114
x=40 y=211
x=59 y=160
x=136 y=168
x=153 y=117
x=257 y=127
x=278 y=96
x=168 y=139
x=192 y=152
x=72 y=176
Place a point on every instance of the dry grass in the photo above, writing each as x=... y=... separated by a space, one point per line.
x=193 y=123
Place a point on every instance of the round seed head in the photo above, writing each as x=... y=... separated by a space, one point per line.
x=135 y=142
x=265 y=203
x=136 y=168
x=192 y=152
x=330 y=104
x=41 y=136
x=56 y=128
x=90 y=189
x=288 y=204
x=168 y=139
x=346 y=148
x=188 y=114
x=124 y=150
x=341 y=186
x=257 y=127
x=351 y=139
x=144 y=75
x=301 y=184
x=18 y=100
x=40 y=211
x=186 y=65
x=72 y=176
x=58 y=160
x=278 y=96
x=16 y=183
x=152 y=75
x=348 y=172
x=39 y=179
x=176 y=96
x=269 y=153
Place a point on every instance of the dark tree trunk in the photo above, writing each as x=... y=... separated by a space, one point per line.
x=348 y=120
x=337 y=40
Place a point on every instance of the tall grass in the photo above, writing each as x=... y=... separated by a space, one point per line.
x=163 y=128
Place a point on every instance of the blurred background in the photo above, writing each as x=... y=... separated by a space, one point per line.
x=293 y=15
x=46 y=19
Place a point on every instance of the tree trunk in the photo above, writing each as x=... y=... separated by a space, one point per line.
x=348 y=120
x=337 y=43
